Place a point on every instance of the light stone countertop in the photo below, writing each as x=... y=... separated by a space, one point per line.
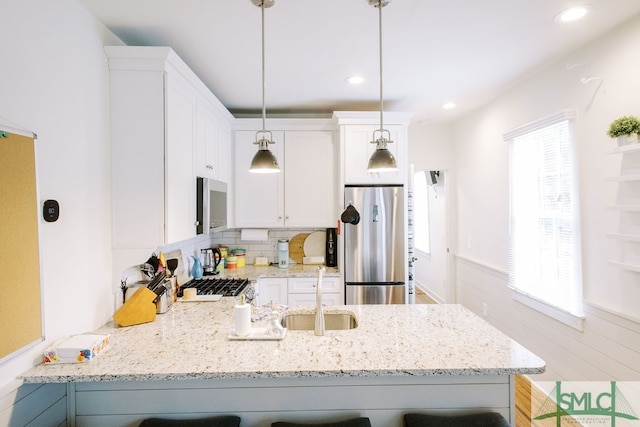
x=191 y=341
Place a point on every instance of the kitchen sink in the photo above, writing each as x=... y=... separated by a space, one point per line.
x=307 y=321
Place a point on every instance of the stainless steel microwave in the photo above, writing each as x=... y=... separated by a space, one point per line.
x=211 y=205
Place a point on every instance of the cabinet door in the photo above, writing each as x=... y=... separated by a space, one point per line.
x=358 y=148
x=272 y=289
x=205 y=160
x=224 y=151
x=302 y=291
x=180 y=122
x=328 y=299
x=259 y=196
x=137 y=156
x=308 y=284
x=310 y=179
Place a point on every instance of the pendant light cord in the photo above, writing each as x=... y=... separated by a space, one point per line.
x=264 y=108
x=380 y=45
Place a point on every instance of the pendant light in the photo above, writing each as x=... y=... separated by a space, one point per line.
x=264 y=161
x=381 y=160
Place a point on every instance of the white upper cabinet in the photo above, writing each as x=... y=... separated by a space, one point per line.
x=224 y=152
x=303 y=194
x=356 y=134
x=206 y=152
x=213 y=143
x=310 y=179
x=160 y=114
x=180 y=122
x=153 y=120
x=259 y=196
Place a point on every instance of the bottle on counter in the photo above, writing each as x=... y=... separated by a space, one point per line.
x=283 y=253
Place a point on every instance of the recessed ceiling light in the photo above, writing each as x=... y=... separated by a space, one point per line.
x=354 y=80
x=449 y=105
x=573 y=13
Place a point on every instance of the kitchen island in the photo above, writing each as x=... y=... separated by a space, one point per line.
x=398 y=358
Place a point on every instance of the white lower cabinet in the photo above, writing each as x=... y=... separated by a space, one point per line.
x=272 y=289
x=297 y=300
x=298 y=291
x=302 y=291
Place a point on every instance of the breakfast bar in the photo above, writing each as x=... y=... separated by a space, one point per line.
x=398 y=358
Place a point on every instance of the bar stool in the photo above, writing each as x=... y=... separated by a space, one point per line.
x=483 y=419
x=217 y=421
x=353 y=422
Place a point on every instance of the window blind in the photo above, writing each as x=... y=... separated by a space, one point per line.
x=544 y=232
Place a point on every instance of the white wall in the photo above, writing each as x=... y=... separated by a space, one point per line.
x=54 y=82
x=481 y=160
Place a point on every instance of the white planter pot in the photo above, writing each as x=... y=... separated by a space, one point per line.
x=627 y=139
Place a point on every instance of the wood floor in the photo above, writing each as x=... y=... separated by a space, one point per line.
x=524 y=393
x=422 y=298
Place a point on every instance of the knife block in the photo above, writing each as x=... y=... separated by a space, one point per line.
x=137 y=309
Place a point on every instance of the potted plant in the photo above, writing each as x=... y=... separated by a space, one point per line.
x=625 y=130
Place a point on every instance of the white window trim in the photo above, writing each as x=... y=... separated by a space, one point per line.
x=573 y=320
x=567 y=114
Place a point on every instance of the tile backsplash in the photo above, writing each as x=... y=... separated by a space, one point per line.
x=269 y=248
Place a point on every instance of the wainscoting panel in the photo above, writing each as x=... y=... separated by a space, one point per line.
x=607 y=349
x=33 y=405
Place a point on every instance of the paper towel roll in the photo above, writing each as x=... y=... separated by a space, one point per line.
x=255 y=234
x=242 y=313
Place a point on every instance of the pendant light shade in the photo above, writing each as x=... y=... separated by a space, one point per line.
x=381 y=160
x=264 y=161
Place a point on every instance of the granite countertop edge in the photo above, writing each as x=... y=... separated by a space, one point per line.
x=390 y=340
x=286 y=374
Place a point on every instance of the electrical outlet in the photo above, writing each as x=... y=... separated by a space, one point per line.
x=469 y=243
x=485 y=309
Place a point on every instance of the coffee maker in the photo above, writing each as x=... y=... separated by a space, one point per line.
x=331 y=251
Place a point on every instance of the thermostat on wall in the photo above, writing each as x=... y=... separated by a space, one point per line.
x=50 y=210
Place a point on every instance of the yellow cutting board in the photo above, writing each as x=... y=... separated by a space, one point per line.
x=296 y=247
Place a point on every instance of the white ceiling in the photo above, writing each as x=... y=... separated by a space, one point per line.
x=464 y=51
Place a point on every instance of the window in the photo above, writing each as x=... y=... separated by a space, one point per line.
x=421 y=212
x=544 y=226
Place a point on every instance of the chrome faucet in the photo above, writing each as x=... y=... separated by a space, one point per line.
x=319 y=327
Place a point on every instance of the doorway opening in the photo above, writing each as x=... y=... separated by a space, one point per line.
x=430 y=237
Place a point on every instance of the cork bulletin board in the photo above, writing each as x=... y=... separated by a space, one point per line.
x=21 y=302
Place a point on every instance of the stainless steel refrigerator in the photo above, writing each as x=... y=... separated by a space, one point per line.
x=374 y=244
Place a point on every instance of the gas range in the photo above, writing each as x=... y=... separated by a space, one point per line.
x=209 y=285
